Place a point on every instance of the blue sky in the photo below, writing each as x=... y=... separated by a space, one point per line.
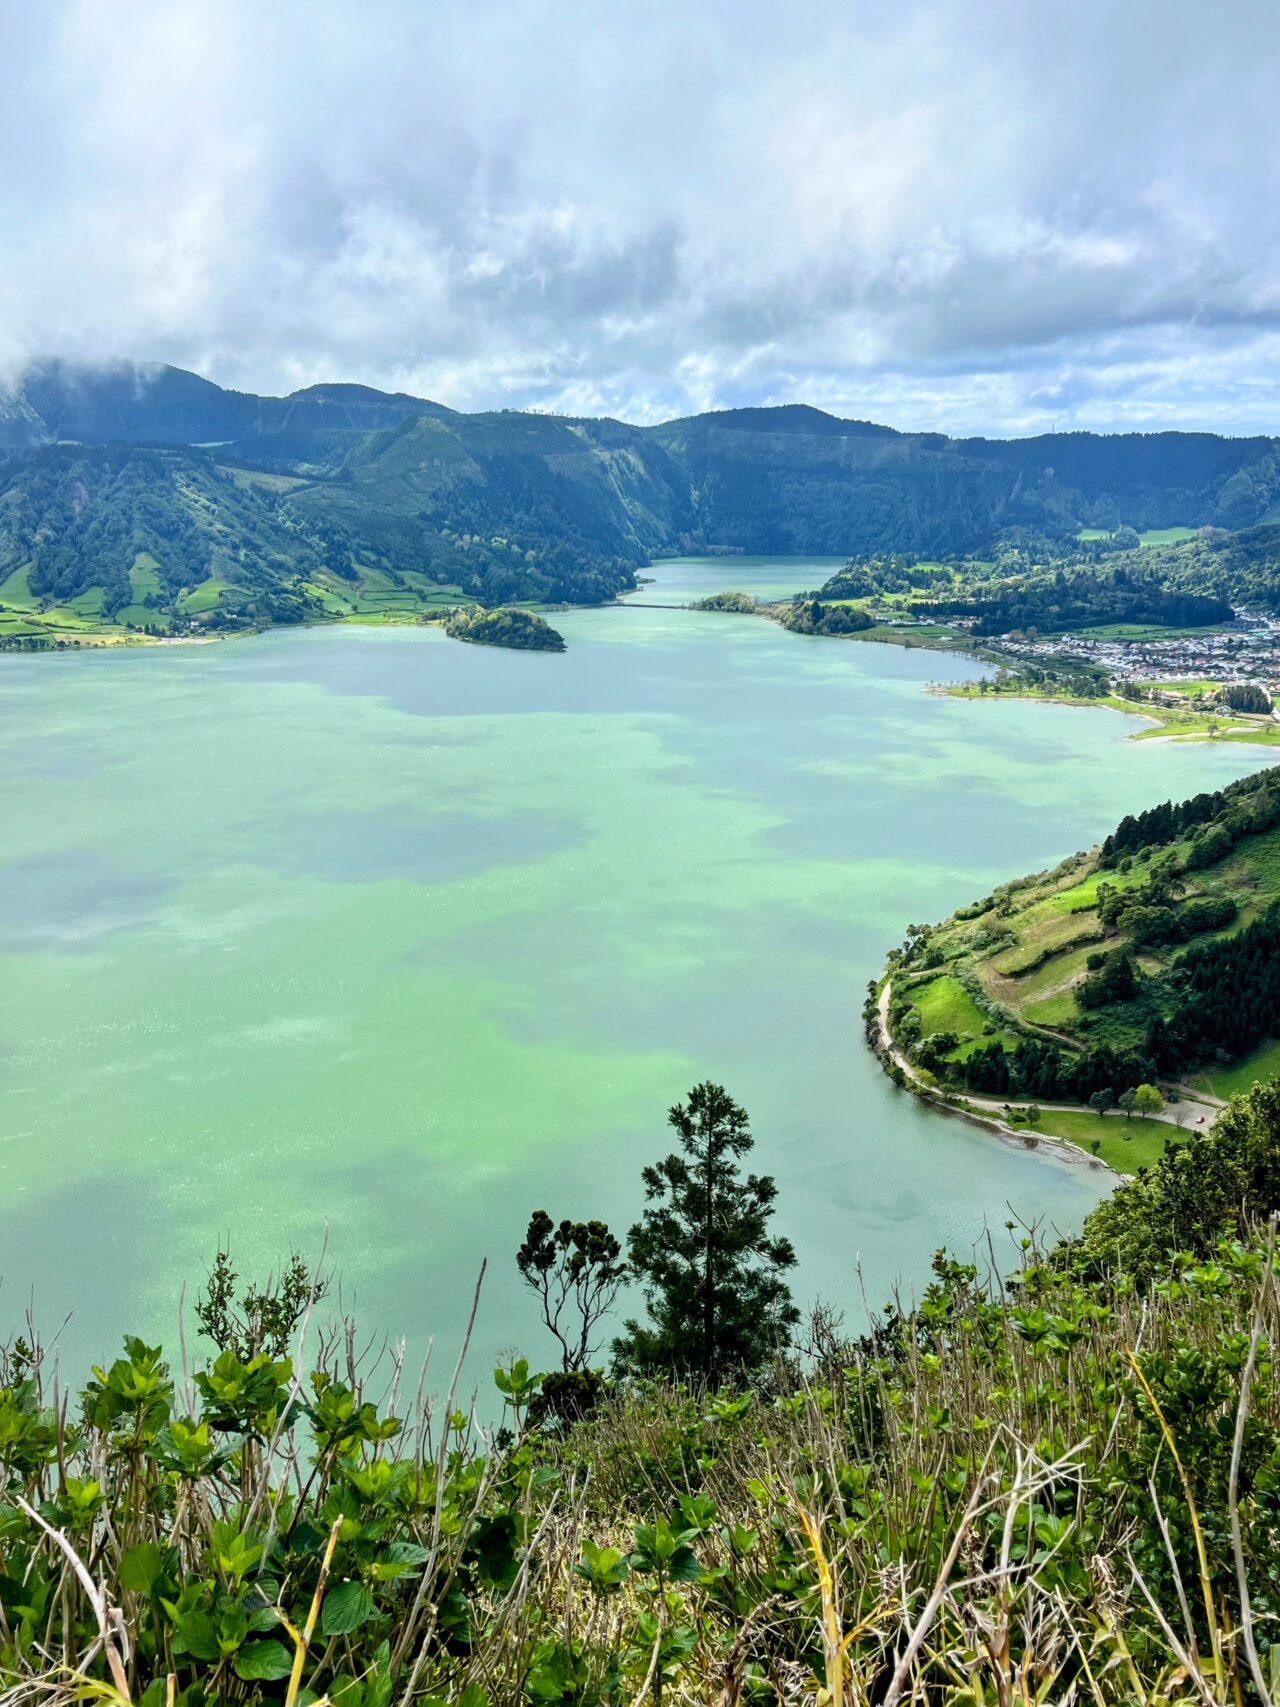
x=981 y=217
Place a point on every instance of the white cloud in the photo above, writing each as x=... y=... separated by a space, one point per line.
x=941 y=214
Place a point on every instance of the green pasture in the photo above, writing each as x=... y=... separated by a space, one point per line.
x=15 y=590
x=1166 y=536
x=944 y=1004
x=1228 y=1081
x=1149 y=536
x=1143 y=631
x=1190 y=689
x=250 y=477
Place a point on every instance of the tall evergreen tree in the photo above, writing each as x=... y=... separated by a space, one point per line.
x=711 y=1272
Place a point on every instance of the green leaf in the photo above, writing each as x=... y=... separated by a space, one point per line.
x=142 y=1566
x=405 y=1553
x=263 y=1662
x=346 y=1608
x=197 y=1635
x=397 y=1559
x=698 y=1511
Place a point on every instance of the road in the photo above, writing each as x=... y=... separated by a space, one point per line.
x=1192 y=1114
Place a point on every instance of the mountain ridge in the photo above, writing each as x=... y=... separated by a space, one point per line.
x=501 y=506
x=112 y=381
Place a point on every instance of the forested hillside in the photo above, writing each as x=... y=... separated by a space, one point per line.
x=146 y=403
x=125 y=534
x=340 y=486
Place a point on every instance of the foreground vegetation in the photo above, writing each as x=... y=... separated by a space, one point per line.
x=1060 y=1486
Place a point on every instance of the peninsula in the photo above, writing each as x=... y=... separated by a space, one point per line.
x=1114 y=1001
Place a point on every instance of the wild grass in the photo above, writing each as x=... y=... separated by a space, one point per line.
x=1052 y=1491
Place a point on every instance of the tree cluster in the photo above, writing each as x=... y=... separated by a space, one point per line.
x=709 y=1269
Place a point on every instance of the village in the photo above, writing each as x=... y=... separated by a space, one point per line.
x=1245 y=653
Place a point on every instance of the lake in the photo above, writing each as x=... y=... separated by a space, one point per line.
x=370 y=929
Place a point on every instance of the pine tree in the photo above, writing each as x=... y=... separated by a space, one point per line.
x=711 y=1272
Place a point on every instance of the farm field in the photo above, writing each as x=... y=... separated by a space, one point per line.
x=375 y=596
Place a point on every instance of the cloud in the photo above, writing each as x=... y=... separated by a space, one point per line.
x=941 y=215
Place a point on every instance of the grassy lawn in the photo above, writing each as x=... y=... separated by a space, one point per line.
x=22 y=614
x=1140 y=631
x=89 y=603
x=1078 y=897
x=1054 y=1011
x=1040 y=929
x=945 y=1005
x=144 y=584
x=1166 y=536
x=1152 y=536
x=1191 y=690
x=1264 y=1063
x=907 y=634
x=14 y=623
x=1122 y=1144
x=1266 y=735
x=206 y=597
x=15 y=590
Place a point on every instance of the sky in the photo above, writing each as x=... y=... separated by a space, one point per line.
x=999 y=216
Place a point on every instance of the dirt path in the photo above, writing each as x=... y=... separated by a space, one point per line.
x=995 y=1105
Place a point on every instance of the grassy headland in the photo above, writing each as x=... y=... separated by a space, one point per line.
x=1097 y=1000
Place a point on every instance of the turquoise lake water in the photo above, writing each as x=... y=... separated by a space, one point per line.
x=370 y=929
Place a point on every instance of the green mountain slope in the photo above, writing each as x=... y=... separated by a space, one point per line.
x=512 y=506
x=124 y=402
x=794 y=479
x=1152 y=957
x=126 y=535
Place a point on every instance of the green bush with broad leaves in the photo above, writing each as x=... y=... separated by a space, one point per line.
x=1057 y=1486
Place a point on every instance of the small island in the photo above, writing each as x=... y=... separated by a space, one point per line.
x=521 y=630
x=741 y=604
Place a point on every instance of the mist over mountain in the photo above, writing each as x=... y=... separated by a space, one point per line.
x=123 y=402
x=104 y=465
